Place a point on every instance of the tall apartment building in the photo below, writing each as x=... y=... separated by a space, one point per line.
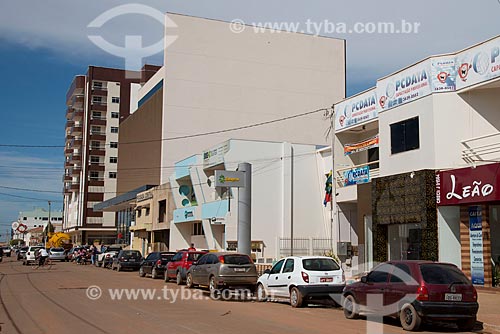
x=96 y=105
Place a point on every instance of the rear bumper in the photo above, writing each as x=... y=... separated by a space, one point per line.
x=446 y=310
x=57 y=257
x=134 y=265
x=321 y=291
x=237 y=281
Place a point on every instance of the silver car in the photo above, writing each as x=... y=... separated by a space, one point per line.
x=222 y=270
x=57 y=254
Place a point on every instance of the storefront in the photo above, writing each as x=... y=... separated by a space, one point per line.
x=468 y=202
x=404 y=217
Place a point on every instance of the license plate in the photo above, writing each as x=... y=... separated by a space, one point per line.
x=326 y=279
x=239 y=269
x=453 y=297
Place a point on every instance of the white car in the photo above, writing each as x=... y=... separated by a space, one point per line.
x=30 y=254
x=106 y=259
x=57 y=253
x=302 y=279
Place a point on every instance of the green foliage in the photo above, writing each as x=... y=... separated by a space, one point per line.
x=331 y=253
x=14 y=242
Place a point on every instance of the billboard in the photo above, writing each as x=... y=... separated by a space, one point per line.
x=361 y=146
x=357 y=176
x=358 y=109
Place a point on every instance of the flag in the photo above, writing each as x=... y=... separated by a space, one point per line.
x=328 y=189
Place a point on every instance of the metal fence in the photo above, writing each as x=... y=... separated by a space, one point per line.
x=304 y=246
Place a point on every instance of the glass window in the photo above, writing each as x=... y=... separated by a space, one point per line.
x=197 y=229
x=400 y=273
x=113 y=144
x=97 y=84
x=177 y=257
x=115 y=114
x=237 y=259
x=194 y=256
x=288 y=266
x=113 y=160
x=379 y=274
x=94 y=159
x=320 y=264
x=115 y=99
x=277 y=267
x=405 y=241
x=94 y=175
x=147 y=211
x=114 y=129
x=203 y=260
x=112 y=175
x=405 y=136
x=434 y=273
x=96 y=114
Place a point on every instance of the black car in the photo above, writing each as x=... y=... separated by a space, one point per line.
x=127 y=259
x=155 y=264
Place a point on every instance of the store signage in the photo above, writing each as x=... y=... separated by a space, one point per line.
x=361 y=146
x=144 y=196
x=478 y=64
x=443 y=74
x=184 y=214
x=468 y=185
x=358 y=109
x=405 y=86
x=357 y=176
x=476 y=245
x=215 y=155
x=225 y=178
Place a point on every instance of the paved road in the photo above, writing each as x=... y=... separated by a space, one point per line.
x=56 y=301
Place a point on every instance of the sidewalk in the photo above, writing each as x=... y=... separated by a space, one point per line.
x=489 y=309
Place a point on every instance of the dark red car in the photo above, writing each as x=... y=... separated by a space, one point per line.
x=415 y=292
x=180 y=263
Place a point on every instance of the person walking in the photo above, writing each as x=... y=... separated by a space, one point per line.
x=192 y=248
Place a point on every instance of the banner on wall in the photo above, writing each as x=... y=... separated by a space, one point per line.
x=405 y=86
x=215 y=155
x=357 y=176
x=443 y=74
x=478 y=64
x=476 y=245
x=358 y=109
x=361 y=146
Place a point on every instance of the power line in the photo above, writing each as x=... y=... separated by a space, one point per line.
x=29 y=198
x=185 y=136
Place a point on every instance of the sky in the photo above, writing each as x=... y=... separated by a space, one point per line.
x=44 y=44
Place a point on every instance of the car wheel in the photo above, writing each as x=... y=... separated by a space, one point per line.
x=351 y=308
x=212 y=286
x=118 y=267
x=296 y=299
x=141 y=272
x=178 y=278
x=189 y=281
x=261 y=293
x=154 y=274
x=466 y=325
x=409 y=318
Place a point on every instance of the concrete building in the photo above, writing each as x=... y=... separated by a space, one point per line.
x=97 y=104
x=396 y=149
x=36 y=218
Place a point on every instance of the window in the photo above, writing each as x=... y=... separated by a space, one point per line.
x=177 y=257
x=320 y=264
x=115 y=114
x=95 y=145
x=25 y=218
x=438 y=273
x=113 y=144
x=96 y=114
x=401 y=273
x=115 y=99
x=147 y=211
x=203 y=260
x=94 y=160
x=113 y=160
x=212 y=259
x=379 y=274
x=112 y=175
x=97 y=84
x=277 y=267
x=162 y=211
x=139 y=213
x=114 y=129
x=96 y=99
x=94 y=175
x=45 y=218
x=95 y=130
x=288 y=266
x=197 y=229
x=405 y=136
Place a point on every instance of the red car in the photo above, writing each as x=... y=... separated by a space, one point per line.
x=180 y=263
x=415 y=292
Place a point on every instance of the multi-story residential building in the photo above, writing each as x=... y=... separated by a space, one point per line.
x=97 y=104
x=38 y=217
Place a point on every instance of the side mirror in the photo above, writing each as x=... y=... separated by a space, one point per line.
x=267 y=271
x=364 y=279
x=195 y=263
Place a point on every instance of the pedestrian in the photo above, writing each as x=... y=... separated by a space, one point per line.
x=192 y=248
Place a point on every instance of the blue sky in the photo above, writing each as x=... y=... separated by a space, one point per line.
x=42 y=51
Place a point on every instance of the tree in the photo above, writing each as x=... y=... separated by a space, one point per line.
x=14 y=242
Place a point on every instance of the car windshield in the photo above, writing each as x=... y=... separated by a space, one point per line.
x=434 y=273
x=237 y=259
x=57 y=249
x=166 y=257
x=113 y=249
x=320 y=264
x=194 y=256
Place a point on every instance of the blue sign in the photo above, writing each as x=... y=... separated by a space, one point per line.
x=184 y=214
x=476 y=245
x=357 y=176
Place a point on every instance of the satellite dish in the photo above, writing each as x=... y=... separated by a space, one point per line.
x=15 y=225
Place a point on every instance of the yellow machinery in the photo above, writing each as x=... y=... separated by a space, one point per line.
x=58 y=239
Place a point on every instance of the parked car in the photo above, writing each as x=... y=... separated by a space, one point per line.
x=21 y=253
x=223 y=270
x=181 y=262
x=7 y=251
x=415 y=292
x=105 y=259
x=127 y=259
x=30 y=255
x=155 y=264
x=302 y=279
x=57 y=254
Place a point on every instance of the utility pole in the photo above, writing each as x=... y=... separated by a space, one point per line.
x=333 y=203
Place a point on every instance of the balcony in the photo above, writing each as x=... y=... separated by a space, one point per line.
x=99 y=91
x=484 y=148
x=69 y=123
x=77 y=142
x=96 y=182
x=76 y=170
x=77 y=115
x=76 y=129
x=98 y=120
x=77 y=101
x=97 y=135
x=76 y=157
x=99 y=105
x=67 y=177
x=68 y=150
x=343 y=179
x=96 y=167
x=99 y=151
